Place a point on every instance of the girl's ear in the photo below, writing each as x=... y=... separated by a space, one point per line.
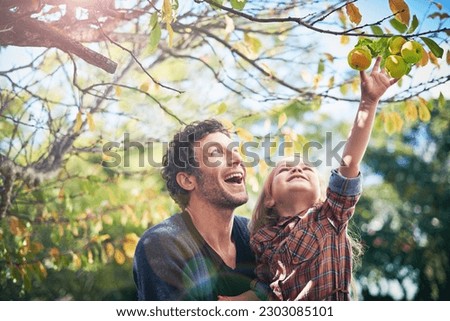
x=269 y=202
x=186 y=181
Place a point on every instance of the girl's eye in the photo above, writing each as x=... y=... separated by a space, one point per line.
x=284 y=169
x=307 y=168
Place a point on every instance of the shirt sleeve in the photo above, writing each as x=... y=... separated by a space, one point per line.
x=345 y=186
x=165 y=269
x=342 y=195
x=151 y=284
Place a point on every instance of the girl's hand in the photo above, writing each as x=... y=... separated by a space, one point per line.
x=374 y=85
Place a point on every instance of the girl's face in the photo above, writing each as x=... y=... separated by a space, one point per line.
x=294 y=182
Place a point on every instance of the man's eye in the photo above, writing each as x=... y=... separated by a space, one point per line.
x=284 y=169
x=215 y=152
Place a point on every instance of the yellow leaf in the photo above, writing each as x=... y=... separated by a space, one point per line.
x=78 y=123
x=282 y=119
x=398 y=121
x=345 y=40
x=389 y=124
x=109 y=249
x=90 y=256
x=244 y=134
x=76 y=261
x=316 y=81
x=119 y=257
x=90 y=121
x=253 y=43
x=424 y=112
x=13 y=225
x=342 y=18
x=227 y=124
x=433 y=59
x=167 y=11
x=42 y=269
x=438 y=5
x=229 y=25
x=170 y=32
x=353 y=13
x=61 y=193
x=16 y=226
x=448 y=57
x=401 y=11
x=118 y=90
x=329 y=57
x=129 y=244
x=411 y=111
x=288 y=146
x=54 y=252
x=144 y=86
x=331 y=82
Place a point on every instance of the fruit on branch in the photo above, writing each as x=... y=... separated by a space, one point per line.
x=395 y=44
x=359 y=58
x=396 y=66
x=411 y=52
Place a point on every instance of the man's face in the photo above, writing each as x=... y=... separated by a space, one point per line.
x=221 y=178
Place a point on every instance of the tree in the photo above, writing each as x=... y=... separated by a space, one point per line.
x=405 y=219
x=101 y=72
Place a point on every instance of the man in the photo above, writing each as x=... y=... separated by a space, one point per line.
x=203 y=251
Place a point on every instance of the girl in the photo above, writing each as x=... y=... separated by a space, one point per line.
x=302 y=248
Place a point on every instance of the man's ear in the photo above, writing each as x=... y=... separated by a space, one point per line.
x=186 y=181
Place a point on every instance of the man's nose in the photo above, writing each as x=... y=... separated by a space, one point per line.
x=235 y=157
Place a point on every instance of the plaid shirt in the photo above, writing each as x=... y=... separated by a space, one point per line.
x=309 y=257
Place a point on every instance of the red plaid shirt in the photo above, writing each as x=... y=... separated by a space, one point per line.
x=310 y=257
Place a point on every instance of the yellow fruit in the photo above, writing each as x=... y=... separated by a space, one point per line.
x=411 y=52
x=359 y=58
x=395 y=44
x=395 y=66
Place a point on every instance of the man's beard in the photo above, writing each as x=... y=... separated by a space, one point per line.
x=216 y=195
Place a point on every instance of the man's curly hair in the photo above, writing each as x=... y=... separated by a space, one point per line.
x=179 y=156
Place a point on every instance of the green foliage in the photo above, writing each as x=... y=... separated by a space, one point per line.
x=404 y=220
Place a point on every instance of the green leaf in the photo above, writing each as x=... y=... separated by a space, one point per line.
x=434 y=47
x=414 y=25
x=377 y=30
x=238 y=4
x=400 y=27
x=153 y=21
x=155 y=37
x=321 y=67
x=378 y=47
x=441 y=101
